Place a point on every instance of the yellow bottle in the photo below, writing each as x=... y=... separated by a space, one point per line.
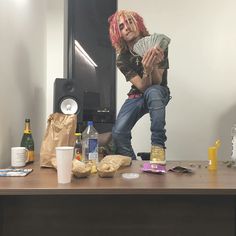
x=212 y=157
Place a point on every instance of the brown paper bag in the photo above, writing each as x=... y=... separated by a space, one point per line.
x=60 y=131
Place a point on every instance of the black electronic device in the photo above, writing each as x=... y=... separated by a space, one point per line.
x=68 y=98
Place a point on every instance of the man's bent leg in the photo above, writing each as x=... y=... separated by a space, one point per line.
x=131 y=111
x=156 y=98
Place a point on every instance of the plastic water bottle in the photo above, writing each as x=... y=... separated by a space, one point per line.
x=233 y=134
x=90 y=143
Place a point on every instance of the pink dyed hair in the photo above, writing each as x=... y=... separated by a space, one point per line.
x=115 y=36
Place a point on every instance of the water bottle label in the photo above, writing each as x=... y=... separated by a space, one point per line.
x=93 y=149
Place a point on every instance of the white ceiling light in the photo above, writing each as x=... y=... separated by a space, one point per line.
x=84 y=54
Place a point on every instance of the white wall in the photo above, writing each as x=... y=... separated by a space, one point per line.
x=56 y=46
x=32 y=55
x=201 y=75
x=22 y=71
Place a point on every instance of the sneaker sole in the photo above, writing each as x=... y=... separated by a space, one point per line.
x=158 y=162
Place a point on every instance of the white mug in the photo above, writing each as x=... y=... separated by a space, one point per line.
x=18 y=156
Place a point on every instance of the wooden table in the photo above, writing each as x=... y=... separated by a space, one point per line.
x=202 y=203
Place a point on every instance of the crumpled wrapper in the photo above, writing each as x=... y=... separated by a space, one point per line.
x=180 y=169
x=107 y=170
x=111 y=163
x=153 y=168
x=81 y=169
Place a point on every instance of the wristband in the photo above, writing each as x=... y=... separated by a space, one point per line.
x=145 y=74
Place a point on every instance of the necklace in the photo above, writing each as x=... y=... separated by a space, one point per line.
x=137 y=60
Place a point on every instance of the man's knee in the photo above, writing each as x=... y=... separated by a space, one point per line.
x=114 y=134
x=154 y=92
x=157 y=94
x=156 y=97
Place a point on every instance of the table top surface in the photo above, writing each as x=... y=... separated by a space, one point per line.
x=43 y=181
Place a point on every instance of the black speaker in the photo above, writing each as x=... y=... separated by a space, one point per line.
x=69 y=98
x=66 y=97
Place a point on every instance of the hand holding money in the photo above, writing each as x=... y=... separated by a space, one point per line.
x=151 y=58
x=160 y=41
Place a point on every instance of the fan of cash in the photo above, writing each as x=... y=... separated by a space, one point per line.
x=151 y=41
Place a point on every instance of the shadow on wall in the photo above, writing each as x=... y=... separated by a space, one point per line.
x=5 y=153
x=39 y=118
x=225 y=124
x=23 y=78
x=18 y=99
x=24 y=100
x=29 y=78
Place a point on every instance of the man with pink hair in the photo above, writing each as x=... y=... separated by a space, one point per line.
x=149 y=92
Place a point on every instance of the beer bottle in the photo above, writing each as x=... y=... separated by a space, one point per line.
x=28 y=142
x=78 y=147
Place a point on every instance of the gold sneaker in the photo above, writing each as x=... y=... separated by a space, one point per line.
x=158 y=155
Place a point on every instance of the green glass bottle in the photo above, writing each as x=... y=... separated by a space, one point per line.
x=28 y=142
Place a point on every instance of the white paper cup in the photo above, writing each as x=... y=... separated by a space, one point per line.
x=64 y=156
x=18 y=156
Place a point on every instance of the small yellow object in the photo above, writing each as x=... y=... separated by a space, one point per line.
x=93 y=169
x=212 y=155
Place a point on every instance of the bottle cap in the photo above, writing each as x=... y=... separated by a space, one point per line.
x=27 y=120
x=217 y=144
x=130 y=175
x=90 y=122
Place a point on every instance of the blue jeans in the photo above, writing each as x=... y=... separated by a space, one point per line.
x=153 y=101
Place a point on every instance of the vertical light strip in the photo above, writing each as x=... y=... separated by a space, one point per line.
x=84 y=54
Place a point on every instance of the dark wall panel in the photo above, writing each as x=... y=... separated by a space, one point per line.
x=88 y=32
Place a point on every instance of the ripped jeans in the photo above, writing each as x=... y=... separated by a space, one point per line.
x=153 y=101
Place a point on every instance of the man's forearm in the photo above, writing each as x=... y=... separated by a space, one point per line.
x=146 y=80
x=142 y=83
x=157 y=75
